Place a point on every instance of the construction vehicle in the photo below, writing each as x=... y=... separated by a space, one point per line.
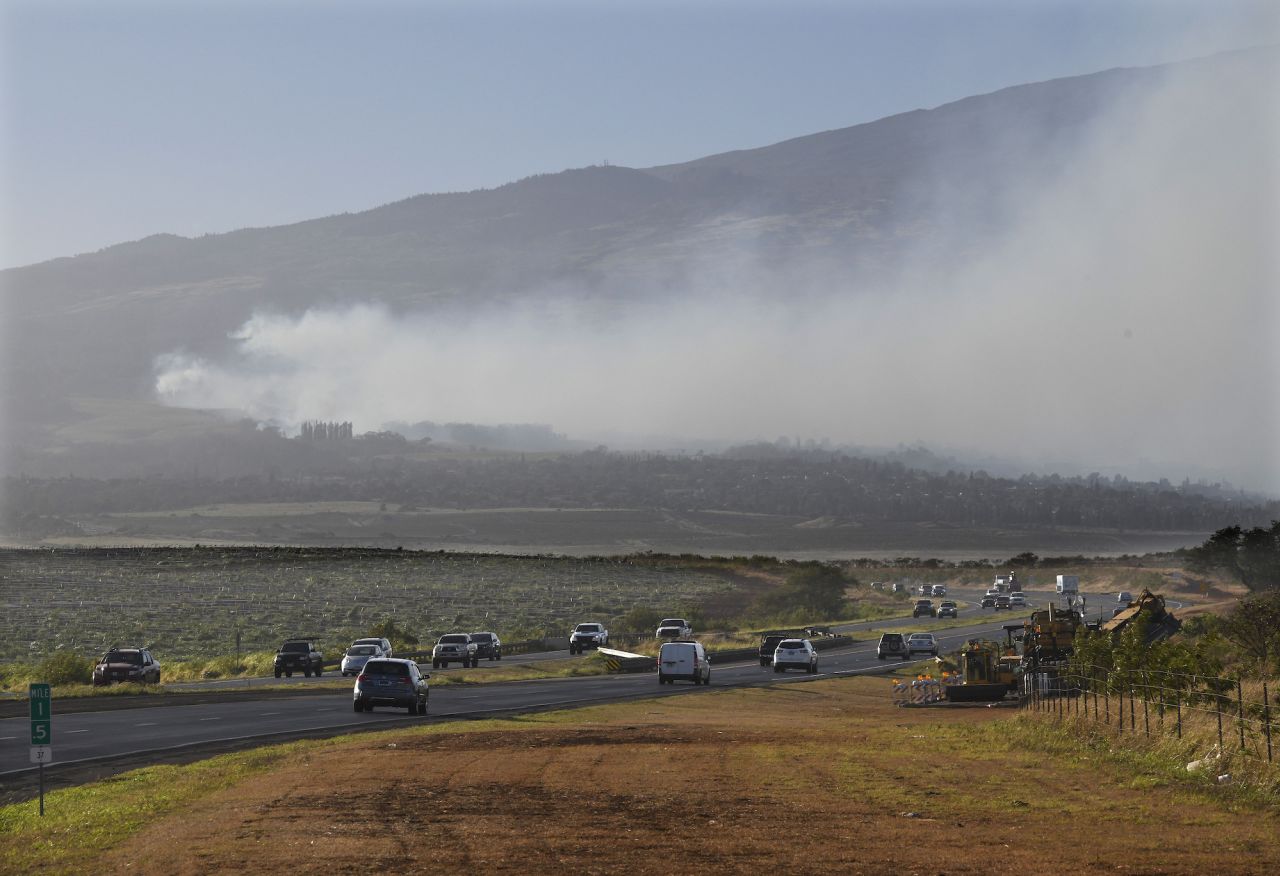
x=1148 y=607
x=1049 y=636
x=988 y=672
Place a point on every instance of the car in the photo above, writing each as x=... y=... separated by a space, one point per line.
x=357 y=656
x=298 y=655
x=1124 y=596
x=683 y=660
x=673 y=628
x=795 y=654
x=588 y=635
x=454 y=648
x=898 y=587
x=948 y=609
x=383 y=644
x=1017 y=600
x=924 y=607
x=924 y=590
x=938 y=590
x=769 y=644
x=126 y=664
x=892 y=645
x=388 y=681
x=994 y=591
x=877 y=585
x=988 y=600
x=922 y=643
x=487 y=645
x=1003 y=601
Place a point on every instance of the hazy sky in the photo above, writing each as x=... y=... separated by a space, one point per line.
x=126 y=119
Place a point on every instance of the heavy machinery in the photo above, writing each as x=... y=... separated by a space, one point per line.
x=988 y=672
x=1148 y=607
x=1049 y=636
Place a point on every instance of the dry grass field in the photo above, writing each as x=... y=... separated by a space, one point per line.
x=825 y=777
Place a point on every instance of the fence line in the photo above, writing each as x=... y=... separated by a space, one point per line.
x=1170 y=703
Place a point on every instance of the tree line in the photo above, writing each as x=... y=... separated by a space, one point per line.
x=837 y=486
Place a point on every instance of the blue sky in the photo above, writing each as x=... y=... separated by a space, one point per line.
x=121 y=120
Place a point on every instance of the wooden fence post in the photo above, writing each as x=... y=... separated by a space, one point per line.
x=1240 y=710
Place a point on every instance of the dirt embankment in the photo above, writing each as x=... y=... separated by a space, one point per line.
x=826 y=777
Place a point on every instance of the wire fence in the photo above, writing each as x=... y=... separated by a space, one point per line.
x=1155 y=702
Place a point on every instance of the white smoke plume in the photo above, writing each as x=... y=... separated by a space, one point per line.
x=1126 y=319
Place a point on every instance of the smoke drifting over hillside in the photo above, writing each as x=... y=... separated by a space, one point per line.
x=1124 y=317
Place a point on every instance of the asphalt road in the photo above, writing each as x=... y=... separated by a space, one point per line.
x=89 y=736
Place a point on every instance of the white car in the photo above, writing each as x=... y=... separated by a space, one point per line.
x=383 y=644
x=795 y=654
x=357 y=656
x=588 y=635
x=684 y=660
x=922 y=643
x=673 y=628
x=1017 y=600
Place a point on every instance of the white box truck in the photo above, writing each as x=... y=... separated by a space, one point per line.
x=1068 y=584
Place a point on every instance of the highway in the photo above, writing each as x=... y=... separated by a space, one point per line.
x=85 y=737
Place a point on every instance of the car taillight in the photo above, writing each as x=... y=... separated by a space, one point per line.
x=361 y=677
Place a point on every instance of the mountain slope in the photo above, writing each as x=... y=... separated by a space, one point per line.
x=854 y=200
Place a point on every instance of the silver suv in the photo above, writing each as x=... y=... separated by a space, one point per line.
x=454 y=648
x=892 y=645
x=386 y=681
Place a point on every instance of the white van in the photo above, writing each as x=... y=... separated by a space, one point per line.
x=686 y=660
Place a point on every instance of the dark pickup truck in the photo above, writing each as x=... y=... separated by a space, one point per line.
x=769 y=643
x=299 y=655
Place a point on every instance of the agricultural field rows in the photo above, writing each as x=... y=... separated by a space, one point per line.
x=188 y=603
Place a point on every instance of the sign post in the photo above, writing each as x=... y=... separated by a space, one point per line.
x=41 y=699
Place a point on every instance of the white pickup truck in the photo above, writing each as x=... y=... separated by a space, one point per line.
x=673 y=628
x=586 y=636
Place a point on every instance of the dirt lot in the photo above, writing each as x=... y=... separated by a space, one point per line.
x=817 y=778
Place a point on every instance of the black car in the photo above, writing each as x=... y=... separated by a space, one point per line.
x=299 y=655
x=386 y=681
x=924 y=607
x=989 y=601
x=126 y=664
x=487 y=645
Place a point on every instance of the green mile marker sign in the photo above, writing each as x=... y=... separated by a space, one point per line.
x=41 y=720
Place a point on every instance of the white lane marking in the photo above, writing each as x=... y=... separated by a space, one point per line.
x=213 y=718
x=266 y=714
x=146 y=724
x=75 y=731
x=7 y=738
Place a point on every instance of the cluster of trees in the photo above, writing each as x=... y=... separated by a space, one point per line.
x=319 y=430
x=1251 y=556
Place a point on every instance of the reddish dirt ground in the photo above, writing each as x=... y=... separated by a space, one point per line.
x=824 y=777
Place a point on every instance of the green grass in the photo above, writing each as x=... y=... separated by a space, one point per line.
x=81 y=823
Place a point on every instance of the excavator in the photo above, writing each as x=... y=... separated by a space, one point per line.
x=1149 y=606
